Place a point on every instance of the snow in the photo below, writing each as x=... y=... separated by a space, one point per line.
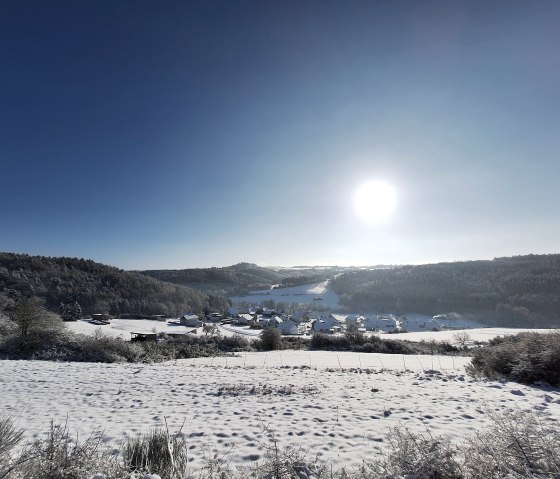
x=339 y=406
x=121 y=328
x=304 y=294
x=476 y=334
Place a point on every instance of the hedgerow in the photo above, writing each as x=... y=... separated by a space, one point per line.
x=526 y=358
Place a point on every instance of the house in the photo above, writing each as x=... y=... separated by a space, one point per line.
x=268 y=313
x=322 y=326
x=214 y=317
x=245 y=319
x=299 y=316
x=190 y=320
x=327 y=323
x=371 y=323
x=288 y=327
x=354 y=321
x=274 y=322
x=388 y=323
x=339 y=318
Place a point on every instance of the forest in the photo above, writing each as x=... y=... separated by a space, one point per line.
x=519 y=291
x=233 y=280
x=96 y=287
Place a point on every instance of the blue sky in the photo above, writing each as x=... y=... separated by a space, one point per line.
x=183 y=134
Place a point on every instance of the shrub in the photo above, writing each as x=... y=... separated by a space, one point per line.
x=421 y=456
x=57 y=456
x=10 y=437
x=157 y=452
x=270 y=340
x=526 y=358
x=516 y=445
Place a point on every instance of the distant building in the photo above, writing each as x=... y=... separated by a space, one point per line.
x=190 y=320
x=288 y=327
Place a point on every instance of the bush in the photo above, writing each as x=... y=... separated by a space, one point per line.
x=57 y=456
x=270 y=340
x=525 y=357
x=517 y=445
x=157 y=452
x=421 y=456
x=10 y=437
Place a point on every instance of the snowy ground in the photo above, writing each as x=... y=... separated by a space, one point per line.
x=121 y=328
x=313 y=294
x=316 y=400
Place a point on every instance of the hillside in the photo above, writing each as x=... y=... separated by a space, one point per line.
x=241 y=278
x=229 y=280
x=96 y=287
x=518 y=291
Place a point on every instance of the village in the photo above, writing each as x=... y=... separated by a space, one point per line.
x=250 y=321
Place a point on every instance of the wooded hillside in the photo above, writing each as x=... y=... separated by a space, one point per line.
x=517 y=291
x=97 y=288
x=229 y=280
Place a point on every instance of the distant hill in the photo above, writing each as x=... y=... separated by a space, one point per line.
x=516 y=291
x=96 y=287
x=227 y=281
x=241 y=278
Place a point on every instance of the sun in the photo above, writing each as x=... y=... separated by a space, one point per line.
x=375 y=201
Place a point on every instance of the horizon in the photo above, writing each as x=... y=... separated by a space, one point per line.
x=292 y=266
x=199 y=134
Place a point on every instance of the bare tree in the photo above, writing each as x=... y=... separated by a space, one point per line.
x=31 y=317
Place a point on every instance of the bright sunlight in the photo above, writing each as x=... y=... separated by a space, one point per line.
x=375 y=201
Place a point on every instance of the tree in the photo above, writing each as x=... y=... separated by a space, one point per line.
x=38 y=328
x=271 y=339
x=27 y=315
x=71 y=311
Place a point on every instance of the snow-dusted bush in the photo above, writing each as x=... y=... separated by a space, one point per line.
x=10 y=437
x=157 y=452
x=416 y=456
x=525 y=357
x=516 y=446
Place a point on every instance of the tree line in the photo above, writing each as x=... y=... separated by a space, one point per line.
x=66 y=284
x=514 y=291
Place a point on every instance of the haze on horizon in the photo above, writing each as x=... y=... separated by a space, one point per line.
x=193 y=134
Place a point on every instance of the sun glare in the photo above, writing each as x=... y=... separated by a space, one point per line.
x=375 y=201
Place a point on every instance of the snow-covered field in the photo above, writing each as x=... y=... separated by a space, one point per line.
x=316 y=293
x=123 y=327
x=320 y=401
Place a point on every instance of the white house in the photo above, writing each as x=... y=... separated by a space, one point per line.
x=327 y=322
x=288 y=327
x=339 y=318
x=190 y=320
